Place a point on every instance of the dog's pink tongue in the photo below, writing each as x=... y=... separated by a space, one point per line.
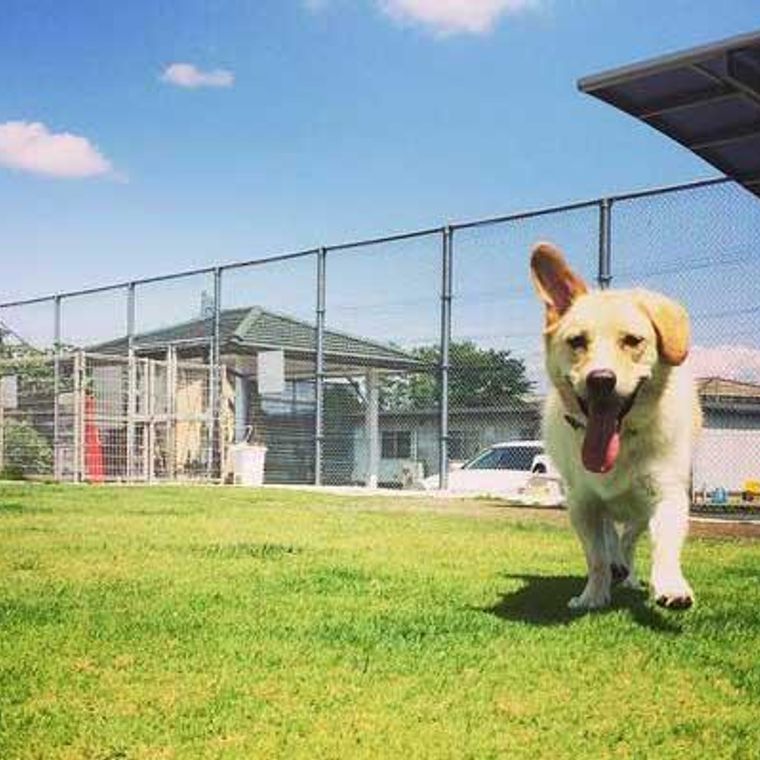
x=601 y=445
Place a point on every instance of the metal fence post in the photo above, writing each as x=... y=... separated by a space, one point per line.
x=215 y=460
x=171 y=413
x=145 y=415
x=604 y=276
x=80 y=422
x=150 y=409
x=447 y=250
x=320 y=365
x=56 y=388
x=131 y=382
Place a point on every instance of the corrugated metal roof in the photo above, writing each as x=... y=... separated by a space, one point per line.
x=254 y=328
x=706 y=98
x=721 y=387
x=262 y=328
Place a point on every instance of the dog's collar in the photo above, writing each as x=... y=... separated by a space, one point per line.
x=574 y=424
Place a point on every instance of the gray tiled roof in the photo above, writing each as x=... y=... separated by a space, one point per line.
x=255 y=328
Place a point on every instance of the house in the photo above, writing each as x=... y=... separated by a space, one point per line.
x=410 y=439
x=728 y=453
x=284 y=420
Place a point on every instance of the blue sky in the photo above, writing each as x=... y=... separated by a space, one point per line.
x=330 y=120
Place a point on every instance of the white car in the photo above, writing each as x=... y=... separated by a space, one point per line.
x=518 y=469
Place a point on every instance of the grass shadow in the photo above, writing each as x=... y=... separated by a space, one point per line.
x=158 y=513
x=542 y=600
x=242 y=550
x=16 y=508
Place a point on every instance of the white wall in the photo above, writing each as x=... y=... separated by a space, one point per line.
x=727 y=457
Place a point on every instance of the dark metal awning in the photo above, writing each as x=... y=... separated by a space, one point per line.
x=706 y=98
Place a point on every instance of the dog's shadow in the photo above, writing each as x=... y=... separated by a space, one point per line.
x=542 y=600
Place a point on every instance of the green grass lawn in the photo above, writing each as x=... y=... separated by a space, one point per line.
x=215 y=622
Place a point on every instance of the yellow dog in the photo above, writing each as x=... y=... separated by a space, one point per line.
x=619 y=424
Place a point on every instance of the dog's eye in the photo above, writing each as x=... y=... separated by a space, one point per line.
x=578 y=342
x=632 y=341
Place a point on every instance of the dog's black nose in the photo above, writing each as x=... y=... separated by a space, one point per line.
x=601 y=382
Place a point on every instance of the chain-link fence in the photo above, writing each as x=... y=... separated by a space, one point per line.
x=702 y=246
x=389 y=362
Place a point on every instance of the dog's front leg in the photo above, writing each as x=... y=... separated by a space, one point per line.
x=668 y=528
x=633 y=529
x=589 y=524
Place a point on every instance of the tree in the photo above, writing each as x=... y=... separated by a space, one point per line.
x=478 y=377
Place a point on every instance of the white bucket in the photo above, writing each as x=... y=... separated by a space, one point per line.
x=248 y=464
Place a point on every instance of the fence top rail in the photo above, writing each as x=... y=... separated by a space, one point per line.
x=577 y=205
x=367 y=242
x=532 y=214
x=665 y=189
x=351 y=245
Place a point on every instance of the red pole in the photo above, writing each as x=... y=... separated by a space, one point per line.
x=93 y=450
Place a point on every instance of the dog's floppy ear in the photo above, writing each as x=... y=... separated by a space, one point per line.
x=671 y=323
x=556 y=284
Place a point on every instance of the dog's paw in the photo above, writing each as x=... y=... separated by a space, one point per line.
x=675 y=601
x=587 y=601
x=675 y=595
x=619 y=572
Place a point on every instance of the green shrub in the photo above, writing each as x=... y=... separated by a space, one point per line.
x=12 y=472
x=25 y=451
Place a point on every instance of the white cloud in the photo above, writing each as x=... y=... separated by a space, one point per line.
x=735 y=362
x=31 y=147
x=187 y=75
x=448 y=17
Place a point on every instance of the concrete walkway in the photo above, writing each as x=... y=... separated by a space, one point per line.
x=447 y=502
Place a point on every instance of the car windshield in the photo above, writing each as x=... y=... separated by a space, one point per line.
x=505 y=458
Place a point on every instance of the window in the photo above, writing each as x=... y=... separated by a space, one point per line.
x=488 y=460
x=297 y=398
x=505 y=458
x=397 y=444
x=518 y=457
